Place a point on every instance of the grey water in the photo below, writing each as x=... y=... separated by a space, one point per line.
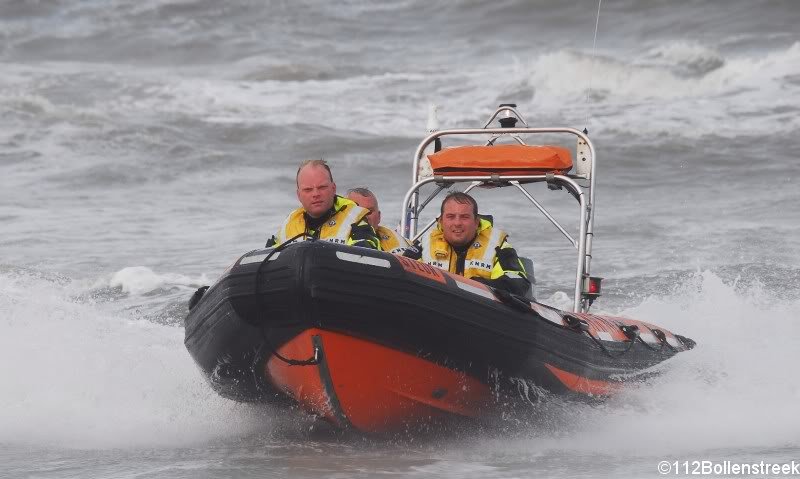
x=145 y=145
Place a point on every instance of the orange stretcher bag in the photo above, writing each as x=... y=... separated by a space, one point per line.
x=514 y=160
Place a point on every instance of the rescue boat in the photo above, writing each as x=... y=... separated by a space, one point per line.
x=378 y=343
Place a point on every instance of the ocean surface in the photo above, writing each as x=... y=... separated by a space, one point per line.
x=146 y=144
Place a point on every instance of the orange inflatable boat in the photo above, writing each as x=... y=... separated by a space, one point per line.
x=379 y=343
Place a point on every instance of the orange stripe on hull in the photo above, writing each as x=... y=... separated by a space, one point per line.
x=372 y=387
x=583 y=385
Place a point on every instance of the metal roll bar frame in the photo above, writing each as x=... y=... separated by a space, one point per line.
x=411 y=207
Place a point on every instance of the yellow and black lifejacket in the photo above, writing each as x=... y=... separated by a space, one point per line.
x=346 y=217
x=480 y=260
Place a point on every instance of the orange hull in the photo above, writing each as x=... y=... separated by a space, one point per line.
x=373 y=388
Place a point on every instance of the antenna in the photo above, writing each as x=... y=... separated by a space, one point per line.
x=591 y=64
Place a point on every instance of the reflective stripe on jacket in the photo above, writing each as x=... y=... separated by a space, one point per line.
x=481 y=258
x=390 y=240
x=337 y=229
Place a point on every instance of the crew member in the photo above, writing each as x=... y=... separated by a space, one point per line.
x=324 y=215
x=390 y=240
x=467 y=244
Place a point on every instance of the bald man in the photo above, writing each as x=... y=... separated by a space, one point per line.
x=323 y=214
x=390 y=241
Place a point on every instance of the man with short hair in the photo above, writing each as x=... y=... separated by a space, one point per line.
x=324 y=215
x=390 y=240
x=465 y=243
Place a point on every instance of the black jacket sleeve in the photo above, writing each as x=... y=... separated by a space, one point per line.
x=362 y=234
x=413 y=251
x=508 y=272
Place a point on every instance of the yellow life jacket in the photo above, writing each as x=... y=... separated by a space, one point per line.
x=480 y=259
x=390 y=240
x=336 y=229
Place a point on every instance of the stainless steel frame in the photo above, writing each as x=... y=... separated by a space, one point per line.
x=412 y=208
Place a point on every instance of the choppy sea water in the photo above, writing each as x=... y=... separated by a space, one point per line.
x=145 y=145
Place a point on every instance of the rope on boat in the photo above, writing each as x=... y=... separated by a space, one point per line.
x=315 y=358
x=663 y=338
x=631 y=331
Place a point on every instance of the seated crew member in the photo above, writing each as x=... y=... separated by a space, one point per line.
x=465 y=243
x=390 y=240
x=325 y=215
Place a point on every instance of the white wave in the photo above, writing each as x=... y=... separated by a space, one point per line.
x=138 y=280
x=736 y=390
x=679 y=88
x=75 y=377
x=685 y=57
x=689 y=88
x=28 y=104
x=652 y=97
x=560 y=300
